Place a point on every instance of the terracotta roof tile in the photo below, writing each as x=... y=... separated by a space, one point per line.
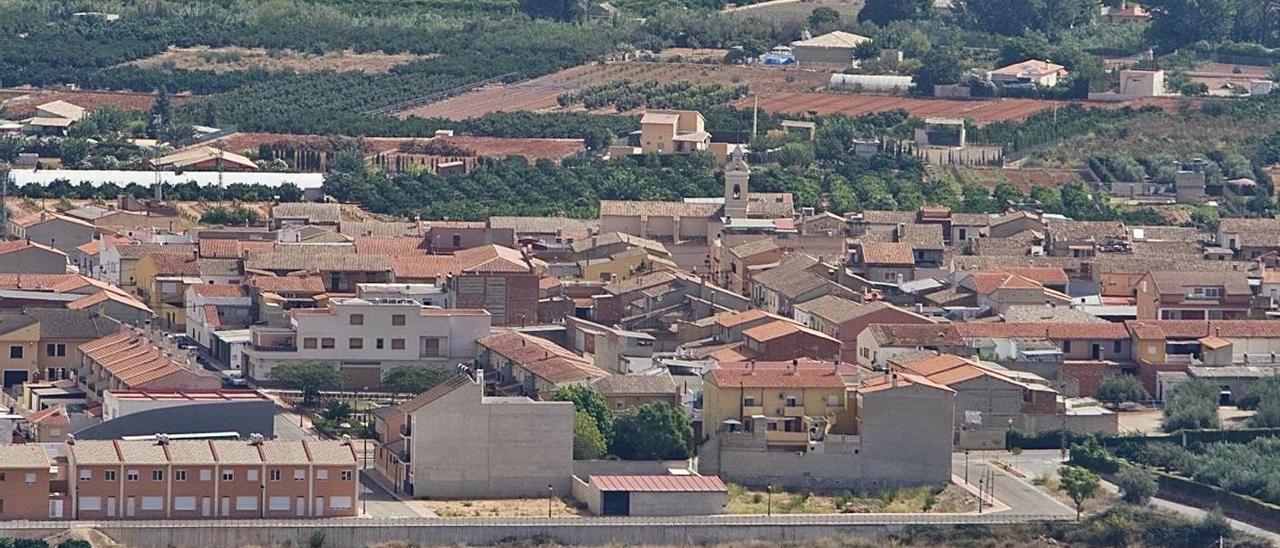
x=775 y=378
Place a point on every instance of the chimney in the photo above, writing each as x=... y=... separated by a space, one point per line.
x=893 y=379
x=898 y=234
x=162 y=439
x=71 y=439
x=751 y=367
x=795 y=365
x=919 y=308
x=256 y=439
x=346 y=439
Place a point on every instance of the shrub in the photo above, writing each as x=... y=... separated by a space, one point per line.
x=1192 y=405
x=1137 y=484
x=1121 y=388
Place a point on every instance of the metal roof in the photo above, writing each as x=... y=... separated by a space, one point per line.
x=659 y=483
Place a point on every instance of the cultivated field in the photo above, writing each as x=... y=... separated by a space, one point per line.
x=1220 y=76
x=22 y=102
x=799 y=9
x=236 y=58
x=981 y=111
x=539 y=94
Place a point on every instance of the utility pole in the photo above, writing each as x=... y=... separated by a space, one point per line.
x=4 y=199
x=755 y=117
x=364 y=501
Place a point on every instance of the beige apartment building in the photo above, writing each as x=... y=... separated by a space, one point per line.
x=192 y=479
x=368 y=338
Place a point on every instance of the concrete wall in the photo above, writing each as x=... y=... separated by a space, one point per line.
x=468 y=447
x=444 y=532
x=739 y=458
x=907 y=435
x=644 y=503
x=249 y=417
x=604 y=467
x=33 y=260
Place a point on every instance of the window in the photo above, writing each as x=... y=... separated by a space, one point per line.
x=377 y=343
x=228 y=475
x=430 y=346
x=1066 y=346
x=55 y=350
x=153 y=503
x=274 y=475
x=109 y=475
x=278 y=503
x=30 y=479
x=617 y=405
x=309 y=342
x=131 y=475
x=355 y=343
x=397 y=319
x=184 y=503
x=1151 y=349
x=457 y=240
x=179 y=475
x=252 y=474
x=357 y=319
x=345 y=475
x=1115 y=347
x=397 y=344
x=833 y=400
x=206 y=475
x=326 y=343
x=299 y=474
x=157 y=475
x=86 y=475
x=749 y=401
x=340 y=503
x=246 y=503
x=15 y=352
x=91 y=503
x=792 y=401
x=322 y=475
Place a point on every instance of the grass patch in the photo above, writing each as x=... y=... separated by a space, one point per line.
x=743 y=500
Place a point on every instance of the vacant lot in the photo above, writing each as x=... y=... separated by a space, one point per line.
x=236 y=58
x=506 y=508
x=539 y=94
x=951 y=499
x=800 y=9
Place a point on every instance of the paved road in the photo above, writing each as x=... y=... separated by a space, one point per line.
x=1041 y=462
x=378 y=503
x=1019 y=495
x=287 y=426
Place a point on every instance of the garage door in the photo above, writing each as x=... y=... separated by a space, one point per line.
x=14 y=377
x=616 y=503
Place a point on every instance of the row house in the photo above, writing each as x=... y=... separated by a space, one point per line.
x=129 y=360
x=532 y=366
x=194 y=479
x=844 y=319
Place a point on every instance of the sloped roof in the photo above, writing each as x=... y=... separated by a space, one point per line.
x=890 y=253
x=660 y=383
x=72 y=324
x=834 y=39
x=318 y=261
x=395 y=246
x=311 y=212
x=660 y=484
x=288 y=284
x=199 y=154
x=776 y=378
x=11 y=246
x=754 y=247
x=1232 y=282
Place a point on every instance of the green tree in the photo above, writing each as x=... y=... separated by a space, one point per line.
x=236 y=216
x=336 y=411
x=560 y=10
x=588 y=442
x=1137 y=484
x=977 y=199
x=823 y=19
x=1079 y=484
x=1175 y=23
x=883 y=12
x=309 y=377
x=416 y=380
x=843 y=199
x=1005 y=195
x=940 y=66
x=1265 y=394
x=794 y=155
x=1192 y=405
x=73 y=151
x=1121 y=388
x=10 y=148
x=588 y=400
x=653 y=431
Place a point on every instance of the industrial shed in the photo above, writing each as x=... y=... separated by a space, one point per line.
x=652 y=495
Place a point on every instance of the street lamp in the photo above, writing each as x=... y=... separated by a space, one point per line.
x=980 y=496
x=966 y=466
x=551 y=489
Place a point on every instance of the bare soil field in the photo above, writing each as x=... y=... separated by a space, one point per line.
x=1024 y=179
x=539 y=94
x=799 y=9
x=500 y=508
x=981 y=111
x=236 y=58
x=22 y=102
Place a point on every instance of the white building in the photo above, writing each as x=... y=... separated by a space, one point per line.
x=368 y=338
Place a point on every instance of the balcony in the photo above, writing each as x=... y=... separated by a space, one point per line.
x=793 y=411
x=752 y=410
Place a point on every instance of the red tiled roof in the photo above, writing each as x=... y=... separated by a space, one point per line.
x=395 y=246
x=896 y=253
x=174 y=264
x=10 y=246
x=1049 y=330
x=288 y=284
x=898 y=379
x=426 y=266
x=682 y=484
x=910 y=334
x=541 y=357
x=57 y=411
x=491 y=258
x=776 y=378
x=1042 y=274
x=1197 y=329
x=220 y=290
x=780 y=328
x=224 y=248
x=739 y=318
x=948 y=370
